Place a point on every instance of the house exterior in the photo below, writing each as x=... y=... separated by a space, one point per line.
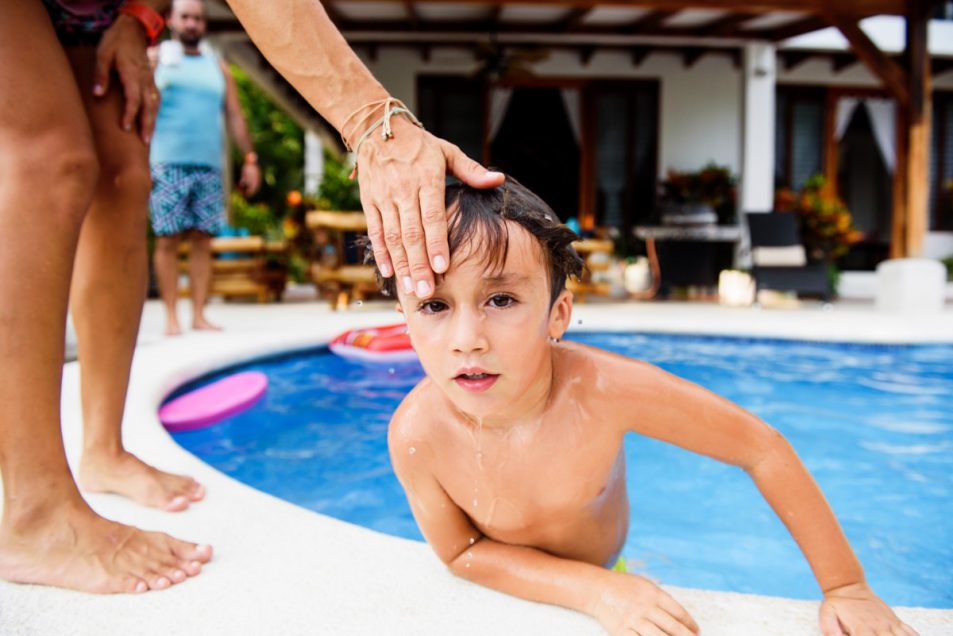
x=592 y=103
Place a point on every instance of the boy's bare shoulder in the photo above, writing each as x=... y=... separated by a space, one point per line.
x=411 y=425
x=579 y=359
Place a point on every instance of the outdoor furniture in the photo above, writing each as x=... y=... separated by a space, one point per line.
x=330 y=272
x=597 y=256
x=689 y=255
x=778 y=258
x=911 y=285
x=241 y=269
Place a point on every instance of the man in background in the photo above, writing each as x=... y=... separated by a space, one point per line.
x=186 y=158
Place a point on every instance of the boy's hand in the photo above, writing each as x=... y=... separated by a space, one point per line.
x=629 y=604
x=855 y=609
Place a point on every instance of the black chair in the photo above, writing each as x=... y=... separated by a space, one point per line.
x=772 y=230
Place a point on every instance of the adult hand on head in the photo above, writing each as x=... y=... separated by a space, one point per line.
x=123 y=48
x=402 y=183
x=855 y=609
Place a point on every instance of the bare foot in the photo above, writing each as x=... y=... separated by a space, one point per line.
x=74 y=548
x=172 y=327
x=127 y=475
x=202 y=324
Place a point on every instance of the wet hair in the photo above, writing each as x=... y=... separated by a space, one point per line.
x=478 y=226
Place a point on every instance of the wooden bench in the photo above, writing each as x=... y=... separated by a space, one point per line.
x=341 y=282
x=240 y=269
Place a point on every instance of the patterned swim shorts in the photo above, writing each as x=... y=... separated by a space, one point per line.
x=186 y=197
x=81 y=21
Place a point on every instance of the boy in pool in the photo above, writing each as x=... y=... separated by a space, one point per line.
x=510 y=450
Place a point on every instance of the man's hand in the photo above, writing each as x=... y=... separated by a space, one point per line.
x=628 y=605
x=250 y=180
x=402 y=188
x=855 y=609
x=123 y=48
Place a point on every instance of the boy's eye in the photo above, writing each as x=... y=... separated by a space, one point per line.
x=502 y=300
x=432 y=307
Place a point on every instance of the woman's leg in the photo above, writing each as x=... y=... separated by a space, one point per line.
x=48 y=172
x=109 y=287
x=166 y=263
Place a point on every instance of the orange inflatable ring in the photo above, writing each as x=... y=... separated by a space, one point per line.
x=390 y=343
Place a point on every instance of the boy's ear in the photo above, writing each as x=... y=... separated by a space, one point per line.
x=560 y=314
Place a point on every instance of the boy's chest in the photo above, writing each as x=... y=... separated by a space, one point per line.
x=508 y=485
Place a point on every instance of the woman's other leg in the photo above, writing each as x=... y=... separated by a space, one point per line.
x=48 y=172
x=109 y=288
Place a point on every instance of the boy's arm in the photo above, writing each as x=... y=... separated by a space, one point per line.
x=686 y=415
x=621 y=602
x=250 y=179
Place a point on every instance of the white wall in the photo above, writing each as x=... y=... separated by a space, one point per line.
x=699 y=110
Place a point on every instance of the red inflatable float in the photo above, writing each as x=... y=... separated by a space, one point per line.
x=390 y=343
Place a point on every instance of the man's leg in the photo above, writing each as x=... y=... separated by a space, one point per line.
x=200 y=275
x=165 y=259
x=48 y=535
x=109 y=287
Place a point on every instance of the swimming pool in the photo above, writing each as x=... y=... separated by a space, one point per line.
x=874 y=424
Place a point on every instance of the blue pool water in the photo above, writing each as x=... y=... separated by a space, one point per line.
x=874 y=424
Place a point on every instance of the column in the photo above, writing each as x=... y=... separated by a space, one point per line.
x=313 y=162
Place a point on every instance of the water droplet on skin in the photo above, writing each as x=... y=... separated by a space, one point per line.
x=469 y=555
x=475 y=503
x=472 y=540
x=411 y=450
x=466 y=565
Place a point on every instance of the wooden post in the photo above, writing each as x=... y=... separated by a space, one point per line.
x=917 y=163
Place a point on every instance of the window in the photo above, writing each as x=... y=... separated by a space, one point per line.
x=799 y=135
x=452 y=108
x=941 y=163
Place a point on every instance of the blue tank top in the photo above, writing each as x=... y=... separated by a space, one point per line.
x=189 y=124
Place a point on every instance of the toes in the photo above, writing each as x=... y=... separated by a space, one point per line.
x=175 y=575
x=196 y=491
x=191 y=568
x=134 y=585
x=192 y=552
x=158 y=582
x=177 y=504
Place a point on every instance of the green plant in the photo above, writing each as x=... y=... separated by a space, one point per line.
x=948 y=261
x=713 y=185
x=338 y=191
x=826 y=225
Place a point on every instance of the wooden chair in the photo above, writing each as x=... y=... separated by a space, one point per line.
x=778 y=258
x=341 y=281
x=240 y=269
x=595 y=253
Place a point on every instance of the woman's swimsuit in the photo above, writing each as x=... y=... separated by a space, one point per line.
x=81 y=21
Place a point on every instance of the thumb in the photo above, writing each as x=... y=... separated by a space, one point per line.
x=830 y=625
x=469 y=171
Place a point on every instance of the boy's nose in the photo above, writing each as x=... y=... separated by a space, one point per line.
x=467 y=331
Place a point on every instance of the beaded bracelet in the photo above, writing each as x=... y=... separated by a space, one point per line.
x=391 y=106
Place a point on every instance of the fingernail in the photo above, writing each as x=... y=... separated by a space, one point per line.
x=127 y=127
x=98 y=89
x=439 y=263
x=385 y=270
x=196 y=564
x=423 y=288
x=493 y=173
x=408 y=284
x=147 y=138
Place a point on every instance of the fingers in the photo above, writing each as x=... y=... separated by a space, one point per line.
x=830 y=626
x=467 y=170
x=412 y=237
x=133 y=93
x=101 y=73
x=670 y=625
x=375 y=232
x=434 y=217
x=674 y=608
x=395 y=247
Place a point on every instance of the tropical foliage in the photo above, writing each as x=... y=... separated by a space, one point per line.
x=713 y=185
x=827 y=227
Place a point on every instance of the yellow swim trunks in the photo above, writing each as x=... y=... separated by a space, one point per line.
x=620 y=565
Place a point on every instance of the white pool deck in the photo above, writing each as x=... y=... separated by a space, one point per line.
x=280 y=569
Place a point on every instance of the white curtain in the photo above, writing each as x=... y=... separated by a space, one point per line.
x=572 y=102
x=499 y=102
x=883 y=120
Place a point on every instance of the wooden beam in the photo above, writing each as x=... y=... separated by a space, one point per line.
x=691 y=55
x=940 y=65
x=639 y=53
x=918 y=138
x=891 y=74
x=794 y=29
x=648 y=23
x=856 y=7
x=790 y=60
x=585 y=54
x=840 y=61
x=412 y=16
x=572 y=20
x=726 y=25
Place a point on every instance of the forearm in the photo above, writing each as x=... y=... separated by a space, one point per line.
x=531 y=574
x=300 y=41
x=795 y=497
x=239 y=132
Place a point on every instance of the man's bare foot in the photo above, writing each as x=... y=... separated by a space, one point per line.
x=201 y=324
x=127 y=475
x=74 y=548
x=172 y=327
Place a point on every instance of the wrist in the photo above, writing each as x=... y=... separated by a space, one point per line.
x=151 y=22
x=251 y=157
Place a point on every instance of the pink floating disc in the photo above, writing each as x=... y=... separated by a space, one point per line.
x=213 y=402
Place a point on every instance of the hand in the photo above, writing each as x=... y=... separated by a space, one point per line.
x=250 y=180
x=123 y=47
x=402 y=188
x=631 y=605
x=855 y=609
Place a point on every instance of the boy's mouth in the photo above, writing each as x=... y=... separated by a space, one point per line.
x=475 y=380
